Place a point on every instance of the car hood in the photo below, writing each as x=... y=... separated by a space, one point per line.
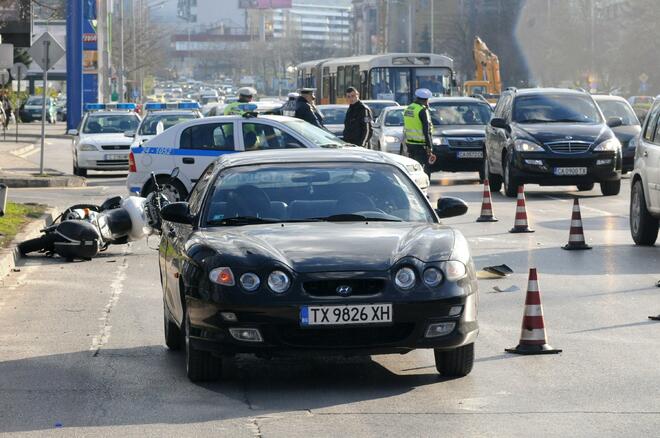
x=449 y=131
x=335 y=128
x=393 y=130
x=625 y=133
x=114 y=138
x=551 y=132
x=331 y=247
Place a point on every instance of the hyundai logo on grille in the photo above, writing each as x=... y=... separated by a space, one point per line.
x=568 y=137
x=344 y=290
x=469 y=139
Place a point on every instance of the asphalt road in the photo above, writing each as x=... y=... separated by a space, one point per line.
x=81 y=344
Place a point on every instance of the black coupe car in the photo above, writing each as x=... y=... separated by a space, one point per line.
x=329 y=251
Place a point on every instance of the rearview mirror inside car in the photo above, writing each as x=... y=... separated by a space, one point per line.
x=451 y=207
x=613 y=122
x=497 y=122
x=178 y=212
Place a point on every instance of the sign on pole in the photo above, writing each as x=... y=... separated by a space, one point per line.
x=6 y=55
x=45 y=51
x=18 y=72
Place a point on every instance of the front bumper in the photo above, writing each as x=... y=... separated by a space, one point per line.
x=451 y=159
x=539 y=167
x=97 y=160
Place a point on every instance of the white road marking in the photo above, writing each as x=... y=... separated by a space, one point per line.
x=585 y=207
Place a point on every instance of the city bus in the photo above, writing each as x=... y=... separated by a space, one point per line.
x=393 y=76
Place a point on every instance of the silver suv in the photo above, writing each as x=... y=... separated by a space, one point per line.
x=645 y=191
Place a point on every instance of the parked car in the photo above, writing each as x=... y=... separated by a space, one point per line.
x=641 y=105
x=388 y=130
x=315 y=251
x=645 y=182
x=333 y=118
x=60 y=105
x=551 y=136
x=376 y=106
x=459 y=129
x=32 y=108
x=627 y=133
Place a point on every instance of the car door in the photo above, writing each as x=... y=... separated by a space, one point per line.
x=200 y=144
x=650 y=154
x=378 y=130
x=258 y=135
x=495 y=137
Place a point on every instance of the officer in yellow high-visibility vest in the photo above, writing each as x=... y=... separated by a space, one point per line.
x=418 y=129
x=245 y=95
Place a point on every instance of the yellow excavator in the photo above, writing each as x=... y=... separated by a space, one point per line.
x=487 y=82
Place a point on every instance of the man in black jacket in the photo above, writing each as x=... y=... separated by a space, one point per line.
x=357 y=124
x=305 y=109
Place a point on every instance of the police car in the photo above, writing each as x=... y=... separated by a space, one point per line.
x=192 y=146
x=161 y=116
x=99 y=142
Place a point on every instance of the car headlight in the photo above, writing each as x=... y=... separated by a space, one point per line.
x=454 y=270
x=405 y=278
x=439 y=141
x=391 y=139
x=432 y=277
x=278 y=282
x=250 y=282
x=527 y=146
x=88 y=147
x=414 y=167
x=222 y=276
x=611 y=145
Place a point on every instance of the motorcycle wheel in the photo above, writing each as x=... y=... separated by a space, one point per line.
x=44 y=242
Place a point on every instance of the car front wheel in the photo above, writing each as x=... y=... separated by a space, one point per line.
x=494 y=181
x=511 y=183
x=610 y=188
x=173 y=335
x=455 y=363
x=201 y=366
x=643 y=226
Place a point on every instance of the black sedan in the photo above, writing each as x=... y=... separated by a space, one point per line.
x=330 y=252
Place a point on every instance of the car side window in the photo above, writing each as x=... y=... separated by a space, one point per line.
x=651 y=124
x=506 y=108
x=259 y=136
x=208 y=136
x=500 y=105
x=197 y=193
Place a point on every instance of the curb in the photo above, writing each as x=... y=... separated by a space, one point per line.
x=28 y=181
x=10 y=255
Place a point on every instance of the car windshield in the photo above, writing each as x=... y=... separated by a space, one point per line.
x=35 y=101
x=455 y=113
x=317 y=136
x=333 y=115
x=555 y=108
x=334 y=192
x=150 y=122
x=110 y=123
x=617 y=108
x=377 y=107
x=394 y=117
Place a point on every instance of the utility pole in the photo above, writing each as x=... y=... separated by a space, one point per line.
x=102 y=51
x=432 y=26
x=410 y=26
x=134 y=41
x=121 y=51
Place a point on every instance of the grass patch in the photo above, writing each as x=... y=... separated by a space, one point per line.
x=15 y=218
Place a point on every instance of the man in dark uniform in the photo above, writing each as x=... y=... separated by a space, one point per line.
x=306 y=110
x=418 y=130
x=357 y=124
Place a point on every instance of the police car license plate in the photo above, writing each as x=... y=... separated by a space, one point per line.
x=570 y=171
x=346 y=315
x=470 y=154
x=116 y=156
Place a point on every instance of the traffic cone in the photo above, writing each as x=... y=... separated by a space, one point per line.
x=486 y=205
x=532 y=337
x=520 y=225
x=576 y=235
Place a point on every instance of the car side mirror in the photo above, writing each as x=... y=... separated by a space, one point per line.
x=177 y=212
x=497 y=122
x=130 y=134
x=451 y=207
x=72 y=132
x=614 y=122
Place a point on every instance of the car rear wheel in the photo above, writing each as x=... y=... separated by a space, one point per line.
x=511 y=183
x=79 y=171
x=173 y=335
x=494 y=181
x=455 y=363
x=610 y=188
x=201 y=366
x=643 y=226
x=585 y=187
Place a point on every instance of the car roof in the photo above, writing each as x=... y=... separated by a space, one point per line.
x=529 y=91
x=113 y=113
x=332 y=105
x=380 y=101
x=315 y=155
x=172 y=111
x=259 y=117
x=608 y=97
x=458 y=99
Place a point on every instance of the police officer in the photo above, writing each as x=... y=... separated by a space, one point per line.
x=306 y=110
x=245 y=95
x=357 y=124
x=418 y=129
x=289 y=108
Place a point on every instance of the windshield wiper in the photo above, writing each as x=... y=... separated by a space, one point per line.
x=242 y=220
x=535 y=121
x=350 y=217
x=570 y=121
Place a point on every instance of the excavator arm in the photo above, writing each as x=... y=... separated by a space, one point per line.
x=487 y=70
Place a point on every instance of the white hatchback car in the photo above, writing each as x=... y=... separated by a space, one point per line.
x=99 y=142
x=388 y=130
x=161 y=116
x=192 y=146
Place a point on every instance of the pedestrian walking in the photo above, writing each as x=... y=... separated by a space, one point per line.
x=357 y=124
x=305 y=108
x=418 y=130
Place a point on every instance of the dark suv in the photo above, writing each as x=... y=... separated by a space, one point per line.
x=552 y=137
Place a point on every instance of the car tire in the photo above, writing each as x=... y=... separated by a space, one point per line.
x=201 y=366
x=610 y=188
x=174 y=188
x=643 y=226
x=494 y=181
x=482 y=173
x=511 y=183
x=173 y=335
x=79 y=171
x=585 y=187
x=455 y=363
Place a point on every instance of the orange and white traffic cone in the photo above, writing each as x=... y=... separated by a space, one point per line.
x=486 y=205
x=520 y=225
x=532 y=337
x=576 y=235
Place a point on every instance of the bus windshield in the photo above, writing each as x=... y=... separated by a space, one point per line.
x=399 y=83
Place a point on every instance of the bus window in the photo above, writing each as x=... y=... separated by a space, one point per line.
x=325 y=90
x=438 y=80
x=340 y=82
x=313 y=78
x=355 y=81
x=390 y=83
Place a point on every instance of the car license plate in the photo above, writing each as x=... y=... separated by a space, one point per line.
x=116 y=157
x=345 y=315
x=470 y=154
x=570 y=171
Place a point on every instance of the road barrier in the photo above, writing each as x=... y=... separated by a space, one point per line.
x=576 y=235
x=520 y=225
x=486 y=205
